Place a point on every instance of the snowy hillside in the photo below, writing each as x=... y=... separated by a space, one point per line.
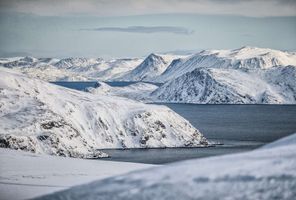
x=272 y=86
x=25 y=175
x=71 y=69
x=266 y=173
x=40 y=117
x=153 y=66
x=244 y=58
x=138 y=91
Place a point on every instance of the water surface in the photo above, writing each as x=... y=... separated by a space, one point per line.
x=238 y=127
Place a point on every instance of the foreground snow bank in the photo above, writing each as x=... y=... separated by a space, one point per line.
x=266 y=173
x=25 y=175
x=40 y=117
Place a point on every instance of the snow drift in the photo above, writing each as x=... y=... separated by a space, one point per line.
x=41 y=117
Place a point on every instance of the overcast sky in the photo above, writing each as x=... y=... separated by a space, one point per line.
x=120 y=28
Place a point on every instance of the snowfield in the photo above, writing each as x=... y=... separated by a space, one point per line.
x=40 y=117
x=25 y=175
x=267 y=173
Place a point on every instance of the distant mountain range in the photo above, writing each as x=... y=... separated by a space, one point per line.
x=244 y=75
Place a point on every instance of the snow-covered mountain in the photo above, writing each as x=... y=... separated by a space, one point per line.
x=115 y=68
x=77 y=62
x=139 y=91
x=153 y=66
x=71 y=69
x=41 y=117
x=245 y=58
x=275 y=85
x=266 y=173
x=244 y=75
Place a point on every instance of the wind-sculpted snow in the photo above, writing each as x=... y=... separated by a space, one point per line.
x=213 y=86
x=267 y=174
x=41 y=117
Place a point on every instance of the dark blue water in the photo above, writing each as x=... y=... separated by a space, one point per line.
x=238 y=127
x=260 y=123
x=79 y=85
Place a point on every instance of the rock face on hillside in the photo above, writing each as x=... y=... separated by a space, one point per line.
x=41 y=117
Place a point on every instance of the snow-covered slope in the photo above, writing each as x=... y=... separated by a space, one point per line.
x=116 y=68
x=266 y=173
x=214 y=85
x=151 y=67
x=138 y=91
x=41 y=117
x=71 y=69
x=76 y=62
x=25 y=175
x=244 y=58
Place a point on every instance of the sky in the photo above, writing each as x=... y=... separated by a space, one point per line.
x=135 y=28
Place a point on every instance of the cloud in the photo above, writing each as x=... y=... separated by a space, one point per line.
x=254 y=8
x=145 y=29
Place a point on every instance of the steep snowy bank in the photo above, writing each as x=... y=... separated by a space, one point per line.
x=266 y=173
x=41 y=117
